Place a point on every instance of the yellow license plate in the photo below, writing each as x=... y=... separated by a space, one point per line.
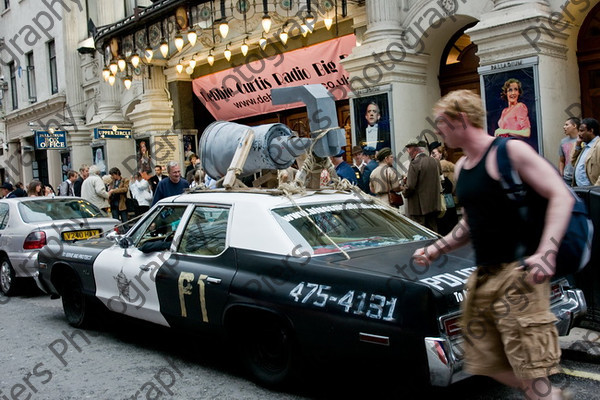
x=80 y=235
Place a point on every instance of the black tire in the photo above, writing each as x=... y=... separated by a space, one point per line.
x=8 y=279
x=269 y=353
x=77 y=306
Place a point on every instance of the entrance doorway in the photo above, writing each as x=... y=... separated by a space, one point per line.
x=458 y=70
x=588 y=58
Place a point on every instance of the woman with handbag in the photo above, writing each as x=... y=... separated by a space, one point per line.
x=450 y=218
x=140 y=191
x=385 y=180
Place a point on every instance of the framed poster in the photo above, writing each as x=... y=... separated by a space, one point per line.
x=65 y=161
x=371 y=119
x=143 y=156
x=510 y=93
x=98 y=157
x=189 y=146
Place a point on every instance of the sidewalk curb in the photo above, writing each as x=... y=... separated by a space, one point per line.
x=581 y=344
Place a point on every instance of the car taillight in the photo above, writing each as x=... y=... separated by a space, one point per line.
x=452 y=326
x=35 y=240
x=555 y=292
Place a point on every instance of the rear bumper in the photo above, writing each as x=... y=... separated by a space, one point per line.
x=445 y=357
x=25 y=263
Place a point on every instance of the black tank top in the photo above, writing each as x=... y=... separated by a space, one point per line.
x=493 y=218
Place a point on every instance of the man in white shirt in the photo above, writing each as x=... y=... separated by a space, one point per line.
x=66 y=188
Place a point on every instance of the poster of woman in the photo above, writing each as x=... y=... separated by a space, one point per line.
x=510 y=91
x=143 y=155
x=371 y=116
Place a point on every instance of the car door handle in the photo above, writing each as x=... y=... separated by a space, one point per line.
x=144 y=267
x=210 y=279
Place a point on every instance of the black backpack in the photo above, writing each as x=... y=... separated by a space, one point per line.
x=576 y=246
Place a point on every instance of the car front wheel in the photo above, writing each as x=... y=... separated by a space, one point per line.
x=8 y=280
x=76 y=305
x=269 y=353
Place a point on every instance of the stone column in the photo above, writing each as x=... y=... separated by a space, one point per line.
x=27 y=159
x=13 y=162
x=155 y=111
x=389 y=61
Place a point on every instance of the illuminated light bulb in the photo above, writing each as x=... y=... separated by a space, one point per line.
x=179 y=42
x=210 y=58
x=266 y=23
x=262 y=42
x=115 y=128
x=189 y=70
x=244 y=48
x=111 y=80
x=304 y=29
x=148 y=54
x=113 y=67
x=105 y=74
x=121 y=64
x=51 y=131
x=224 y=29
x=127 y=82
x=328 y=23
x=227 y=53
x=192 y=37
x=164 y=48
x=310 y=20
x=193 y=63
x=283 y=36
x=179 y=67
x=135 y=60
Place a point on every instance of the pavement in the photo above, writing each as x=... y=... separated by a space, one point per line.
x=581 y=344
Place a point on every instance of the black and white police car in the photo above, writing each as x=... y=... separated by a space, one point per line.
x=282 y=275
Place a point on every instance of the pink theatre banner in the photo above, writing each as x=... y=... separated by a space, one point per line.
x=245 y=90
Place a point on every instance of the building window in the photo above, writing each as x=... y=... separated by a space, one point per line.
x=53 y=72
x=6 y=4
x=13 y=85
x=31 y=90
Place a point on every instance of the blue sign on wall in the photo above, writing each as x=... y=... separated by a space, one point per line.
x=100 y=133
x=45 y=140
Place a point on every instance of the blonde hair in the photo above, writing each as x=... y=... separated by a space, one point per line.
x=465 y=101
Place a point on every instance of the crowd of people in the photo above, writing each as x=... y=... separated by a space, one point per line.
x=113 y=193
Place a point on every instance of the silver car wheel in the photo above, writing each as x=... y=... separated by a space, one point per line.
x=6 y=277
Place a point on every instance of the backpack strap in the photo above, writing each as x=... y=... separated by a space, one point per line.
x=509 y=178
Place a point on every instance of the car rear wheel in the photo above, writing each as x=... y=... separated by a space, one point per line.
x=269 y=353
x=76 y=305
x=8 y=280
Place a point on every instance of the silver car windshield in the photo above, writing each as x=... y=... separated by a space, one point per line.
x=350 y=225
x=54 y=209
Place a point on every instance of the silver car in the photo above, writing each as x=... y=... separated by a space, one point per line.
x=29 y=223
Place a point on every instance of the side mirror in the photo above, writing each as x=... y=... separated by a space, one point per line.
x=124 y=242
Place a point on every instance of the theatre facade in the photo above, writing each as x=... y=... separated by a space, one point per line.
x=161 y=75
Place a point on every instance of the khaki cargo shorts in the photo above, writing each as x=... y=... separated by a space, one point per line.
x=507 y=325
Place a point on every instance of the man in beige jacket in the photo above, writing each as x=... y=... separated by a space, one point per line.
x=586 y=154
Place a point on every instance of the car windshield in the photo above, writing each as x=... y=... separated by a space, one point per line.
x=54 y=209
x=350 y=225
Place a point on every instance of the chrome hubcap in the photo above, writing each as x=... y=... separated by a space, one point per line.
x=5 y=278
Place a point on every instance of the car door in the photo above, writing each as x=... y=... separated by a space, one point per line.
x=193 y=286
x=125 y=275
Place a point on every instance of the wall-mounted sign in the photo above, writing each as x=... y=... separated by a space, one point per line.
x=245 y=90
x=45 y=140
x=100 y=133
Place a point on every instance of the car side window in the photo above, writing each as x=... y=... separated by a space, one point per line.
x=3 y=215
x=160 y=226
x=206 y=231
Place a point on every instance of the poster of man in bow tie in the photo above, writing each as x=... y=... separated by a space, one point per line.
x=372 y=124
